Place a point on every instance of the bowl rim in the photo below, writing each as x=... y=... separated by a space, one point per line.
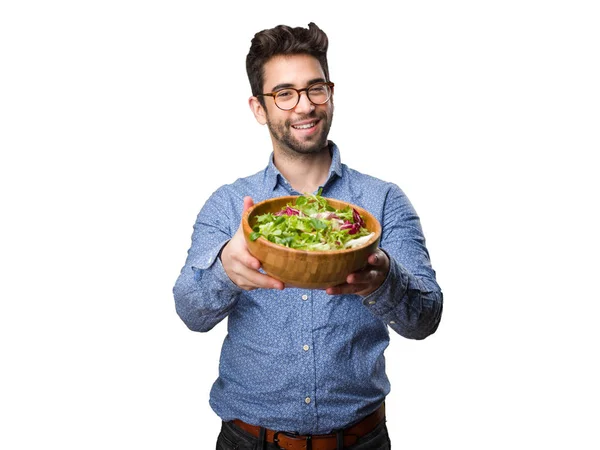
x=269 y=244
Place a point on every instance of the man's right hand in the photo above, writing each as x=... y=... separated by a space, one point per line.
x=241 y=267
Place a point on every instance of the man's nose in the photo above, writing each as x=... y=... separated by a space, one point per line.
x=304 y=104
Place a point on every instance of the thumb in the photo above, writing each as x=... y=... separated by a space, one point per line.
x=375 y=259
x=248 y=202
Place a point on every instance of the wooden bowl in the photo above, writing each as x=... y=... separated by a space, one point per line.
x=317 y=269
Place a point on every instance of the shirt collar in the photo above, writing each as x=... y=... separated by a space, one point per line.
x=273 y=175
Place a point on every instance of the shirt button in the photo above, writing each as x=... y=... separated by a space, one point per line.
x=305 y=347
x=307 y=400
x=392 y=322
x=305 y=297
x=372 y=302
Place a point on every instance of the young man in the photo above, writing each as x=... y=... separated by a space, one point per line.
x=304 y=368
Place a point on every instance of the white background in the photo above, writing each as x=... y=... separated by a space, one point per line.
x=119 y=118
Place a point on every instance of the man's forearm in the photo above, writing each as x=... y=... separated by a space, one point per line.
x=204 y=294
x=410 y=305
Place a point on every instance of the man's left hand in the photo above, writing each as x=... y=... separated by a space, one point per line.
x=367 y=280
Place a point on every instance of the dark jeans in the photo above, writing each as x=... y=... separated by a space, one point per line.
x=233 y=438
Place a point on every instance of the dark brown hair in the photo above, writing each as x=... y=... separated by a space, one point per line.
x=284 y=40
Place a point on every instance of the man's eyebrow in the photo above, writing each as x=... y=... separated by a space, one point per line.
x=290 y=85
x=282 y=86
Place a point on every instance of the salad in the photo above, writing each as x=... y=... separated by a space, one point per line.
x=312 y=224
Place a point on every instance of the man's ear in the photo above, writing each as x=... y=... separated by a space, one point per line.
x=257 y=109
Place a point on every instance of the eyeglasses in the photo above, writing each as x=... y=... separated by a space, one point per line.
x=288 y=98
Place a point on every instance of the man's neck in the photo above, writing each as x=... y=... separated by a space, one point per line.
x=304 y=172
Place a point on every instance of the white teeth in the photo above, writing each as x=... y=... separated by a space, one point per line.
x=303 y=127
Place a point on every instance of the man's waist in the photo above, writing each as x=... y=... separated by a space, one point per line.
x=292 y=441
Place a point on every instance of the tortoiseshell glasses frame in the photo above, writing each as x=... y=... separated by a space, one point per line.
x=288 y=98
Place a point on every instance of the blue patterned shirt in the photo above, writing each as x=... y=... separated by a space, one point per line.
x=300 y=360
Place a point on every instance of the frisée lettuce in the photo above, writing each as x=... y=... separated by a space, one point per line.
x=312 y=224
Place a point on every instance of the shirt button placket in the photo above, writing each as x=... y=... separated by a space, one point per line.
x=308 y=361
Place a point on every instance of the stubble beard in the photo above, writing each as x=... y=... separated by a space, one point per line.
x=282 y=133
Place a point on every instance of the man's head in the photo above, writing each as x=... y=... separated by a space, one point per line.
x=284 y=40
x=282 y=58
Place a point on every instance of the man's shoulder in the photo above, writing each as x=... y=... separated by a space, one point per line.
x=369 y=180
x=373 y=193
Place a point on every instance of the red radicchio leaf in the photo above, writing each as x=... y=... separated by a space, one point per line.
x=287 y=212
x=357 y=219
x=353 y=227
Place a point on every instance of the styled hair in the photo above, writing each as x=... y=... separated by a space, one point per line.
x=284 y=40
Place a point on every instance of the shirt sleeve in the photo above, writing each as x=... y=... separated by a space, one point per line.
x=204 y=294
x=409 y=300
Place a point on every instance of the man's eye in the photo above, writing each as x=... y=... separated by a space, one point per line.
x=284 y=94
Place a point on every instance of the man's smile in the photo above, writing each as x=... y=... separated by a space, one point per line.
x=306 y=126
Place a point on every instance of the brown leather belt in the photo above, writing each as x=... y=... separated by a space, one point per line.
x=290 y=441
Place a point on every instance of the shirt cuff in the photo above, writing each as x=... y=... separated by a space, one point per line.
x=212 y=264
x=386 y=297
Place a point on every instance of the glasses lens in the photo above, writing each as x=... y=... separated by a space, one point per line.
x=286 y=98
x=319 y=93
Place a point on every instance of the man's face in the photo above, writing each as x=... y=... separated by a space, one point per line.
x=303 y=129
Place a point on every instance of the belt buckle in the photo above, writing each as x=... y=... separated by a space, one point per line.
x=292 y=435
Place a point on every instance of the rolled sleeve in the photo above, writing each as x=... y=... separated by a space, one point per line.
x=409 y=300
x=204 y=294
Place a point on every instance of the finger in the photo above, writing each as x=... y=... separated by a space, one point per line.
x=248 y=261
x=248 y=202
x=346 y=288
x=362 y=277
x=258 y=280
x=376 y=258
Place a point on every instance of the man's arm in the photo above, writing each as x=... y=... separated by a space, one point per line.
x=399 y=284
x=204 y=292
